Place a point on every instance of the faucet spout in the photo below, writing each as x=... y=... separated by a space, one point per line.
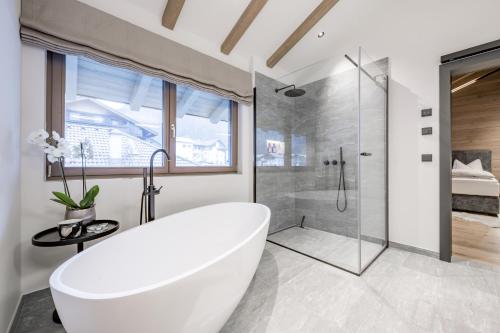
x=151 y=190
x=151 y=160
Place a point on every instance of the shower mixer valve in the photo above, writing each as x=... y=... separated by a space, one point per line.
x=333 y=162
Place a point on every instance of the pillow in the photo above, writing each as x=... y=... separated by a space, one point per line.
x=460 y=166
x=471 y=173
x=476 y=165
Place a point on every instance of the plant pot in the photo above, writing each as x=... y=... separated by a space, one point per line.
x=86 y=215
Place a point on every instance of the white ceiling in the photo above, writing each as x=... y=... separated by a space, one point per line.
x=414 y=34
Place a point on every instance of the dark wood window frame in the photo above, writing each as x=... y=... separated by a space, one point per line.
x=55 y=112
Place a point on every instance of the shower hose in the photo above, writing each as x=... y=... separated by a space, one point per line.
x=341 y=185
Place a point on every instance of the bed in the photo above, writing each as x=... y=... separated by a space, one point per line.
x=471 y=191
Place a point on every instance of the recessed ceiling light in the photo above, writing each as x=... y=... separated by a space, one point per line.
x=321 y=34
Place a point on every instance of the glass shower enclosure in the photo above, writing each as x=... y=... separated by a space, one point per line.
x=321 y=159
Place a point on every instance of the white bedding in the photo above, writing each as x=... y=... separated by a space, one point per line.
x=475 y=186
x=470 y=173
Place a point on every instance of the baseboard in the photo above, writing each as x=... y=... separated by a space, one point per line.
x=372 y=239
x=414 y=249
x=13 y=319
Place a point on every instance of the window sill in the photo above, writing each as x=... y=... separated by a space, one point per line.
x=131 y=176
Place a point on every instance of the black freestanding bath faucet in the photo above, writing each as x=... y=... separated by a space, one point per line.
x=149 y=191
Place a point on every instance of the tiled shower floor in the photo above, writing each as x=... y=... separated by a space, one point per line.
x=338 y=250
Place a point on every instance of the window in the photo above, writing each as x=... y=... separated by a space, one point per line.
x=126 y=116
x=202 y=131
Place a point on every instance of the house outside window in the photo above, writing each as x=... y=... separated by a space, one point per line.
x=126 y=116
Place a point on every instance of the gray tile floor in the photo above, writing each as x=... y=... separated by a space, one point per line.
x=400 y=292
x=338 y=250
x=35 y=314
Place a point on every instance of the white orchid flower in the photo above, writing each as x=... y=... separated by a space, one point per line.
x=38 y=137
x=52 y=159
x=57 y=152
x=88 y=150
x=54 y=147
x=54 y=154
x=63 y=145
x=44 y=145
x=49 y=149
x=56 y=136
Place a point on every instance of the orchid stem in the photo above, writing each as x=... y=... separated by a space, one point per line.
x=84 y=181
x=65 y=183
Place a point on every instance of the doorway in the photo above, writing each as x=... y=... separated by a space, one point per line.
x=470 y=154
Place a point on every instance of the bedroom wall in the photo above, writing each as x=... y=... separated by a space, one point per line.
x=10 y=95
x=476 y=118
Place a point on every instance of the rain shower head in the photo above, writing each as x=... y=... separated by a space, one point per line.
x=294 y=92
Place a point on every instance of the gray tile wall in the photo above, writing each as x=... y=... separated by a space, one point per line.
x=327 y=117
x=275 y=185
x=329 y=113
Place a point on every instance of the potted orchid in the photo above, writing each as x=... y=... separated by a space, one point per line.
x=56 y=149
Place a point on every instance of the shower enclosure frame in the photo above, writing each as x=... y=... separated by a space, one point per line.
x=361 y=268
x=386 y=161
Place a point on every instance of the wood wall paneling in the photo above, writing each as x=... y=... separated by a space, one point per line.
x=476 y=118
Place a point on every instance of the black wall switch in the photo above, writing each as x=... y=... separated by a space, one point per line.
x=426 y=157
x=426 y=112
x=427 y=131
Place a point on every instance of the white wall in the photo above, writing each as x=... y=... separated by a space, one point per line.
x=413 y=185
x=119 y=197
x=10 y=97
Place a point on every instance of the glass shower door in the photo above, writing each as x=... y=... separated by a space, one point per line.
x=372 y=158
x=320 y=159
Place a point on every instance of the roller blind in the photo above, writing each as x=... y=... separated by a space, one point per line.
x=71 y=27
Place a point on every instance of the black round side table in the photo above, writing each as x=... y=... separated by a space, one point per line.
x=50 y=238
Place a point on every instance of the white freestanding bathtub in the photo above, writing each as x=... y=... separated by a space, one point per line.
x=181 y=273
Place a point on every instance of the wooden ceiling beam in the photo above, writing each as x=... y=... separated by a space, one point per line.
x=171 y=13
x=253 y=9
x=313 y=18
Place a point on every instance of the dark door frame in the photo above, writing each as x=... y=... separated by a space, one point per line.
x=475 y=58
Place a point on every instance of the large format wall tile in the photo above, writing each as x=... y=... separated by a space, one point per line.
x=313 y=128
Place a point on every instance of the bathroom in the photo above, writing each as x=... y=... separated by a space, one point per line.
x=317 y=117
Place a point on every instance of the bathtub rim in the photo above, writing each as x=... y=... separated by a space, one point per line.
x=56 y=283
